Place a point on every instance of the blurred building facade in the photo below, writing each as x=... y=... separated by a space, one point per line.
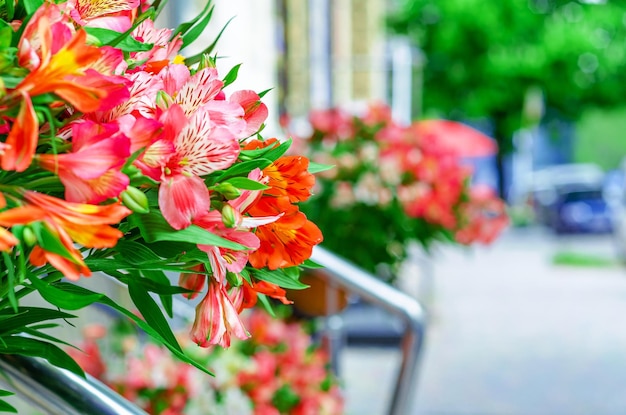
x=351 y=34
x=312 y=53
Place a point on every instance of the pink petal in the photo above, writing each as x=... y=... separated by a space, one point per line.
x=182 y=198
x=202 y=149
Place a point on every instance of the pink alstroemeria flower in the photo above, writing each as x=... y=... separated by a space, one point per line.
x=255 y=112
x=112 y=14
x=217 y=319
x=91 y=171
x=199 y=148
x=164 y=48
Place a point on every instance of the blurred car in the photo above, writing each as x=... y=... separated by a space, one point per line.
x=580 y=209
x=570 y=198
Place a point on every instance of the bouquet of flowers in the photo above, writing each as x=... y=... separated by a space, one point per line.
x=392 y=184
x=118 y=156
x=277 y=371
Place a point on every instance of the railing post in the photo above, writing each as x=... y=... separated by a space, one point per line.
x=58 y=391
x=372 y=290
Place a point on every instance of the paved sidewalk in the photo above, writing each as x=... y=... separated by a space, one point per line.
x=511 y=334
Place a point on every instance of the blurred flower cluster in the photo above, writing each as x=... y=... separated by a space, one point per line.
x=393 y=184
x=277 y=371
x=120 y=156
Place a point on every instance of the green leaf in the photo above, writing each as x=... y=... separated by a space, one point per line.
x=231 y=76
x=188 y=31
x=60 y=298
x=266 y=304
x=5 y=406
x=147 y=328
x=161 y=282
x=263 y=93
x=49 y=241
x=6 y=393
x=6 y=32
x=10 y=8
x=136 y=253
x=32 y=5
x=14 y=322
x=154 y=286
x=151 y=312
x=279 y=278
x=154 y=228
x=10 y=280
x=126 y=44
x=243 y=168
x=246 y=184
x=26 y=346
x=311 y=264
x=206 y=51
x=277 y=152
x=316 y=167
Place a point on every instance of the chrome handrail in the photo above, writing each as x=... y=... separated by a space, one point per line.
x=372 y=290
x=60 y=392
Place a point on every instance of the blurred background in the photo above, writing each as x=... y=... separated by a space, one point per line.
x=530 y=324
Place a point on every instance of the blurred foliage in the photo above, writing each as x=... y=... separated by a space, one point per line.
x=483 y=59
x=600 y=138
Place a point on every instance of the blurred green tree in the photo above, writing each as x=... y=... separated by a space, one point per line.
x=483 y=59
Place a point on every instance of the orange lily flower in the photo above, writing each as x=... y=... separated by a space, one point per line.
x=287 y=242
x=7 y=240
x=288 y=176
x=86 y=224
x=22 y=139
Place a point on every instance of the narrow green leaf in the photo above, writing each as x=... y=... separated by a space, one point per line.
x=279 y=278
x=6 y=32
x=231 y=76
x=154 y=228
x=198 y=27
x=206 y=51
x=136 y=253
x=10 y=280
x=311 y=264
x=10 y=8
x=6 y=393
x=154 y=286
x=316 y=167
x=277 y=152
x=50 y=242
x=151 y=312
x=246 y=184
x=263 y=93
x=266 y=304
x=185 y=27
x=27 y=346
x=5 y=406
x=127 y=44
x=35 y=332
x=28 y=315
x=32 y=5
x=60 y=298
x=242 y=168
x=160 y=280
x=76 y=290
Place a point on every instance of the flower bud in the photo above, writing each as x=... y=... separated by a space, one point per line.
x=229 y=191
x=207 y=61
x=229 y=216
x=135 y=200
x=233 y=279
x=28 y=236
x=163 y=100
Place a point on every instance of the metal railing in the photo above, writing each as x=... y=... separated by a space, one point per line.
x=58 y=391
x=372 y=290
